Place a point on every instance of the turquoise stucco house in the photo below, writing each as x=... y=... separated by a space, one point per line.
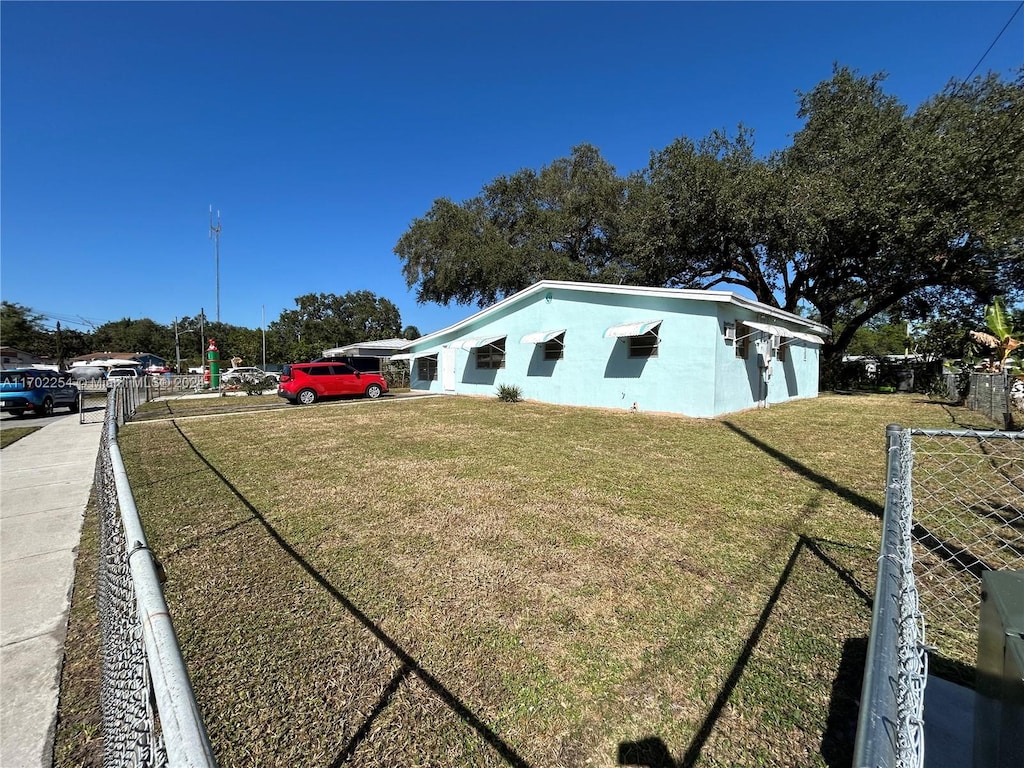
x=691 y=352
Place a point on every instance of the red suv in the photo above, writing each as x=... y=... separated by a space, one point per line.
x=307 y=382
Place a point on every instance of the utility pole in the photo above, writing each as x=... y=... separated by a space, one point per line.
x=215 y=236
x=177 y=350
x=263 y=317
x=60 y=349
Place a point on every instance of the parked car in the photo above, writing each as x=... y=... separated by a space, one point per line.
x=82 y=375
x=39 y=390
x=364 y=364
x=306 y=383
x=245 y=374
x=117 y=375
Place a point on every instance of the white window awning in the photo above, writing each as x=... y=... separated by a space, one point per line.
x=631 y=329
x=541 y=337
x=483 y=341
x=401 y=356
x=778 y=330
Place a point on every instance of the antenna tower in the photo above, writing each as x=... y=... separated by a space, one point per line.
x=215 y=236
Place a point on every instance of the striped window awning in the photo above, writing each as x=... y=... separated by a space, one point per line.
x=631 y=329
x=778 y=330
x=541 y=337
x=483 y=341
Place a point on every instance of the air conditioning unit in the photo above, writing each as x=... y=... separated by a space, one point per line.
x=999 y=689
x=730 y=332
x=776 y=341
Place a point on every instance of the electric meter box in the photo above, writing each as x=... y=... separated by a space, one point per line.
x=999 y=706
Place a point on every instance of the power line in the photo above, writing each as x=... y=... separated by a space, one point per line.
x=993 y=43
x=959 y=87
x=92 y=323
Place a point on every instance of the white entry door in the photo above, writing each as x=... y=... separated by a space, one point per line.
x=448 y=369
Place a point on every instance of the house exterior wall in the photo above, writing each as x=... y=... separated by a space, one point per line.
x=695 y=372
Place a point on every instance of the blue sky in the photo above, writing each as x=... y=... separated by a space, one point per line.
x=321 y=130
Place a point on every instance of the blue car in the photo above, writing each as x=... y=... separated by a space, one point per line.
x=36 y=389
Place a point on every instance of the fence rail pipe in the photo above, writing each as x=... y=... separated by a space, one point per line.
x=185 y=737
x=876 y=744
x=987 y=434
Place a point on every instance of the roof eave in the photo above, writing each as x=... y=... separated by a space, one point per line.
x=688 y=293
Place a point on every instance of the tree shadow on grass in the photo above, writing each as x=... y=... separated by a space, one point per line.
x=652 y=752
x=409 y=664
x=858 y=500
x=952 y=553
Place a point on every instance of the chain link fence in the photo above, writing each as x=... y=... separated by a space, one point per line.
x=968 y=511
x=998 y=396
x=954 y=509
x=149 y=713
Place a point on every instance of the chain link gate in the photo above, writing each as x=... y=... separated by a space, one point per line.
x=92 y=402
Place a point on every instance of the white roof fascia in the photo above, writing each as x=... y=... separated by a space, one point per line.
x=541 y=337
x=400 y=357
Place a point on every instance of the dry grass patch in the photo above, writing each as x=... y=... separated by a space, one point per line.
x=457 y=581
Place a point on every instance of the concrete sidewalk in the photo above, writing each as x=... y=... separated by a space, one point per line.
x=45 y=479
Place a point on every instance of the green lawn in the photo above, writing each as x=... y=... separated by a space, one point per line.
x=14 y=434
x=460 y=581
x=168 y=407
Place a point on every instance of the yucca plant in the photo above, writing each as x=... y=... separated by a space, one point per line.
x=509 y=393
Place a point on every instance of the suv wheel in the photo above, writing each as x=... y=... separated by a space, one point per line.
x=307 y=396
x=46 y=409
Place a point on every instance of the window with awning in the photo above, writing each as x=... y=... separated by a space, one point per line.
x=490 y=354
x=553 y=341
x=641 y=336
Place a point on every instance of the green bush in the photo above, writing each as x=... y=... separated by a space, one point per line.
x=509 y=393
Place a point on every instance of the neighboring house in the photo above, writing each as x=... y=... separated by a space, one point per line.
x=11 y=357
x=697 y=353
x=367 y=355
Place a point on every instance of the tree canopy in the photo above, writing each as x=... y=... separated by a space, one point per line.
x=320 y=321
x=872 y=209
x=323 y=320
